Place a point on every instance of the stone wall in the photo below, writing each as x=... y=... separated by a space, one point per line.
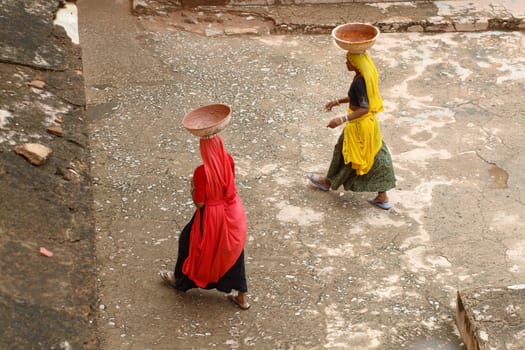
x=145 y=4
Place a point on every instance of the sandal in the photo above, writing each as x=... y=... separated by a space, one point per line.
x=316 y=181
x=382 y=205
x=234 y=300
x=169 y=278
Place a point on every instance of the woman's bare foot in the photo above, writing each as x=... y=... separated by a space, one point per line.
x=169 y=278
x=380 y=201
x=381 y=197
x=241 y=300
x=324 y=181
x=319 y=181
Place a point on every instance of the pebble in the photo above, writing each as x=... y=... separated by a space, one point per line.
x=35 y=153
x=39 y=84
x=56 y=130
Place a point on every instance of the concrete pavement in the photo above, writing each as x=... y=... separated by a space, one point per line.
x=370 y=280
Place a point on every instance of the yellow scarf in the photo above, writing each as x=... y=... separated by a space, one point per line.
x=362 y=137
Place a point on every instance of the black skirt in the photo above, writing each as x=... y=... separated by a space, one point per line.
x=234 y=278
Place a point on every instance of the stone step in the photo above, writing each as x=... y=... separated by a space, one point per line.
x=491 y=318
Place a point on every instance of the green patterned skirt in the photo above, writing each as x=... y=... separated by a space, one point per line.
x=380 y=178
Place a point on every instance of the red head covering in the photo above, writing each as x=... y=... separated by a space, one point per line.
x=218 y=169
x=213 y=251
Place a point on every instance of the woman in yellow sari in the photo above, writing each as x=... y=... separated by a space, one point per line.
x=361 y=161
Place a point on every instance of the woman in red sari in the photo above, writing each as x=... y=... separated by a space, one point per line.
x=211 y=246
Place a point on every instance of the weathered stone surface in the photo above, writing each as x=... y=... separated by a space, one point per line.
x=39 y=326
x=28 y=36
x=50 y=306
x=467 y=26
x=213 y=31
x=240 y=31
x=492 y=317
x=65 y=86
x=190 y=20
x=320 y=16
x=415 y=28
x=35 y=153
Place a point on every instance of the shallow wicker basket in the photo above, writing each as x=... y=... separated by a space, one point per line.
x=208 y=120
x=355 y=37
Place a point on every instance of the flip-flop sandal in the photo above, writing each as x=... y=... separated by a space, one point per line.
x=168 y=278
x=315 y=180
x=382 y=205
x=234 y=300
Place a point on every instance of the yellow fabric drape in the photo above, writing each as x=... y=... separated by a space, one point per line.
x=362 y=136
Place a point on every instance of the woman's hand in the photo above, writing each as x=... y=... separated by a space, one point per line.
x=334 y=123
x=328 y=107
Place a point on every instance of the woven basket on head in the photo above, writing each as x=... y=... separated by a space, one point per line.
x=207 y=121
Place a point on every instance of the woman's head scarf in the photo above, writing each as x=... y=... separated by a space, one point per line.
x=366 y=67
x=219 y=173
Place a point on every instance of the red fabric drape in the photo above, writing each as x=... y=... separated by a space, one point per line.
x=213 y=251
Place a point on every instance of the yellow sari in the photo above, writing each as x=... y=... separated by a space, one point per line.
x=362 y=137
